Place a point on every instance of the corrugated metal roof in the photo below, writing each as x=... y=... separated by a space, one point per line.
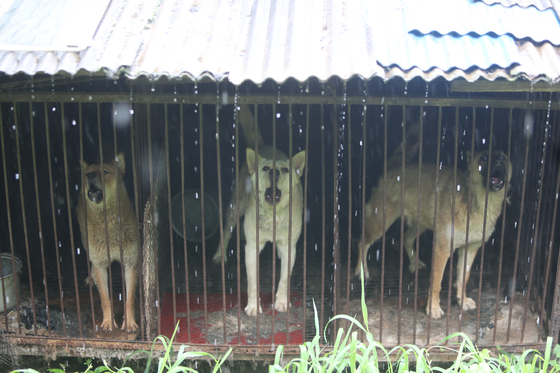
x=257 y=40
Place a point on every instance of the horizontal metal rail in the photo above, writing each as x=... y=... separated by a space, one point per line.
x=272 y=99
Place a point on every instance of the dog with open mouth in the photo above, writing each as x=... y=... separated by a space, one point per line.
x=478 y=197
x=107 y=219
x=271 y=181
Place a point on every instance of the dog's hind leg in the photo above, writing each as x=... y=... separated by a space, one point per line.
x=409 y=238
x=99 y=274
x=131 y=276
x=282 y=297
x=253 y=299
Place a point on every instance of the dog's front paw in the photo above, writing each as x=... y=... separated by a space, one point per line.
x=437 y=312
x=412 y=266
x=281 y=305
x=107 y=325
x=132 y=327
x=218 y=256
x=251 y=309
x=468 y=303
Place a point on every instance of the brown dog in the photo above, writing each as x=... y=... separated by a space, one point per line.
x=96 y=203
x=489 y=172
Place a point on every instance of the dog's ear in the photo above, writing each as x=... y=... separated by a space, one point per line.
x=84 y=165
x=251 y=160
x=119 y=159
x=298 y=163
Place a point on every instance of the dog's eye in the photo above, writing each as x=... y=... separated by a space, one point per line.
x=285 y=170
x=105 y=172
x=266 y=168
x=484 y=158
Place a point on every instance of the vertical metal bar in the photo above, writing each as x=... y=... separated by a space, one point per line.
x=220 y=210
x=464 y=264
x=85 y=241
x=290 y=212
x=70 y=220
x=39 y=220
x=123 y=297
x=169 y=211
x=499 y=287
x=305 y=219
x=484 y=225
x=257 y=208
x=401 y=249
x=273 y=219
x=237 y=227
x=9 y=217
x=24 y=218
x=187 y=288
x=452 y=240
x=323 y=204
x=152 y=195
x=138 y=208
x=349 y=259
x=55 y=232
x=383 y=236
x=107 y=245
x=418 y=207
x=336 y=212
x=9 y=225
x=519 y=226
x=551 y=240
x=535 y=238
x=435 y=226
x=201 y=140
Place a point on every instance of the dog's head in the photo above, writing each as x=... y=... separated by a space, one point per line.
x=494 y=169
x=92 y=185
x=277 y=173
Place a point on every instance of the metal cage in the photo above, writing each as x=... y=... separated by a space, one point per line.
x=183 y=140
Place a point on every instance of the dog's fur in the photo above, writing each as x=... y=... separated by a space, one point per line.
x=267 y=171
x=94 y=204
x=499 y=169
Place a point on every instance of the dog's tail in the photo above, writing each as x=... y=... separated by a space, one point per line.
x=410 y=146
x=250 y=128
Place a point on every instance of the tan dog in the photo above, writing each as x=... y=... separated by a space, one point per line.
x=499 y=170
x=268 y=172
x=94 y=201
